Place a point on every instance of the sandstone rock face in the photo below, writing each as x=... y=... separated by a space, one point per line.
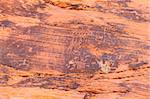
x=74 y=49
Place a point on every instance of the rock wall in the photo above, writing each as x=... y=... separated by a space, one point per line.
x=74 y=49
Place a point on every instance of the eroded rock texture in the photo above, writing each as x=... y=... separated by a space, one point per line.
x=74 y=49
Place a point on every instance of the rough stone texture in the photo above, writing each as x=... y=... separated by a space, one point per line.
x=74 y=49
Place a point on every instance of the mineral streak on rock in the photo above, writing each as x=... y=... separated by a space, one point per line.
x=137 y=65
x=4 y=79
x=6 y=23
